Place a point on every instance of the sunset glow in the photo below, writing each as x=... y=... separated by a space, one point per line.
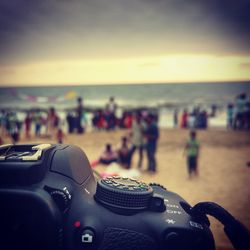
x=112 y=42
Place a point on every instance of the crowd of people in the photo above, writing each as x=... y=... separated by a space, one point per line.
x=143 y=137
x=142 y=126
x=47 y=121
x=238 y=113
x=197 y=119
x=107 y=119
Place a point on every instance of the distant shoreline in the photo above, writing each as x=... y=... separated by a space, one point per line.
x=39 y=85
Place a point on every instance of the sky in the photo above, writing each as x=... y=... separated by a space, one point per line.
x=50 y=42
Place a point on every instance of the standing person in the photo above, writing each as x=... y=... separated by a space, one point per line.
x=137 y=137
x=192 y=149
x=79 y=114
x=248 y=115
x=230 y=116
x=14 y=129
x=1 y=141
x=111 y=108
x=152 y=135
x=240 y=106
x=175 y=118
x=27 y=122
x=38 y=123
x=191 y=121
x=70 y=122
x=184 y=119
x=52 y=122
x=3 y=123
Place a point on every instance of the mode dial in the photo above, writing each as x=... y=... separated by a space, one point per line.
x=123 y=195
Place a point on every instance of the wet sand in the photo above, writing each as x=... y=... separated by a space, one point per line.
x=223 y=173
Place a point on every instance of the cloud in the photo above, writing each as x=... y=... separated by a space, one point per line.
x=41 y=29
x=6 y=71
x=244 y=66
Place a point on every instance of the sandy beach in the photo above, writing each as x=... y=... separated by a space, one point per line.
x=223 y=173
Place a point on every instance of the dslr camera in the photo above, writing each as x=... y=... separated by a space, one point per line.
x=50 y=199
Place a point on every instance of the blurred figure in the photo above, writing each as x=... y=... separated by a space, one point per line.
x=111 y=108
x=70 y=122
x=184 y=119
x=108 y=156
x=175 y=118
x=13 y=127
x=240 y=106
x=230 y=116
x=27 y=124
x=213 y=110
x=202 y=117
x=60 y=136
x=152 y=135
x=248 y=115
x=3 y=123
x=79 y=116
x=137 y=137
x=191 y=121
x=128 y=120
x=1 y=141
x=192 y=151
x=38 y=123
x=124 y=153
x=52 y=122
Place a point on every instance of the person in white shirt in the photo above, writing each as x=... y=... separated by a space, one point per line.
x=137 y=137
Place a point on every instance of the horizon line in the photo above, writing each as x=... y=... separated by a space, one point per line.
x=116 y=84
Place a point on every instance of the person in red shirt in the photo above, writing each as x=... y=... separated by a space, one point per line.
x=184 y=119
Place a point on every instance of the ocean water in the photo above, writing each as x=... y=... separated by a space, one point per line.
x=153 y=95
x=165 y=97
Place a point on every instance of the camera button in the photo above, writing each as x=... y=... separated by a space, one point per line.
x=87 y=237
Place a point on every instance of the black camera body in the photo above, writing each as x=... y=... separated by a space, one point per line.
x=50 y=199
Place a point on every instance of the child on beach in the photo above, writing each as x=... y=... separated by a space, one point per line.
x=192 y=152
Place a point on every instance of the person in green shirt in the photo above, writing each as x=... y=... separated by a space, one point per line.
x=192 y=152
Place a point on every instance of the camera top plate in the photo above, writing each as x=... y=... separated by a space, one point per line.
x=12 y=152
